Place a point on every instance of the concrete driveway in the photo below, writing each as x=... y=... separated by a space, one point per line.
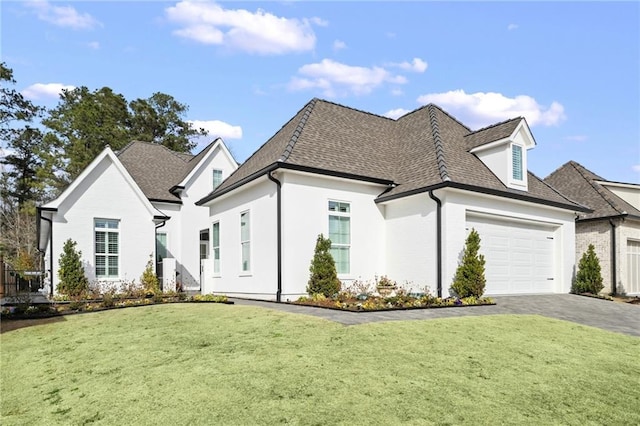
x=612 y=316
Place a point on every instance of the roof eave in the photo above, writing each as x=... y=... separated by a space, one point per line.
x=488 y=191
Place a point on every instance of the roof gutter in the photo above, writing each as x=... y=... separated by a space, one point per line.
x=288 y=166
x=279 y=232
x=438 y=241
x=488 y=191
x=39 y=218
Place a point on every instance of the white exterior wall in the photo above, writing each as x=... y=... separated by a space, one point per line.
x=305 y=214
x=173 y=229
x=105 y=194
x=456 y=205
x=497 y=159
x=411 y=242
x=259 y=198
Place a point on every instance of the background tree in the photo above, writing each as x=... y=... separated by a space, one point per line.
x=160 y=119
x=469 y=279
x=323 y=278
x=84 y=122
x=21 y=162
x=589 y=278
x=81 y=126
x=73 y=282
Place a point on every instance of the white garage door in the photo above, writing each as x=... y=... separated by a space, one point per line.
x=519 y=256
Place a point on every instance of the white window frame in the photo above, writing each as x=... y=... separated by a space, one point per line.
x=215 y=249
x=107 y=230
x=166 y=245
x=340 y=245
x=217 y=177
x=245 y=268
x=512 y=180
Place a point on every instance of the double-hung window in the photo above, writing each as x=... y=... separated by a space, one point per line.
x=245 y=241
x=516 y=160
x=215 y=244
x=107 y=247
x=217 y=178
x=340 y=234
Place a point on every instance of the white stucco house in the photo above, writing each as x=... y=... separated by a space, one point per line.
x=613 y=227
x=396 y=198
x=133 y=204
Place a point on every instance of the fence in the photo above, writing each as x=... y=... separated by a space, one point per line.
x=14 y=282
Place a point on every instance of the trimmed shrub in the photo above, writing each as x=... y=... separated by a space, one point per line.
x=73 y=282
x=469 y=279
x=588 y=279
x=323 y=278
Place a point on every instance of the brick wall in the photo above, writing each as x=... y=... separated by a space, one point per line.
x=597 y=233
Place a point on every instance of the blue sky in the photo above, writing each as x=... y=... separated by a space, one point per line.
x=245 y=68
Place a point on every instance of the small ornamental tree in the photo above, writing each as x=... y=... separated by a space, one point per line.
x=323 y=278
x=149 y=279
x=73 y=282
x=469 y=279
x=588 y=279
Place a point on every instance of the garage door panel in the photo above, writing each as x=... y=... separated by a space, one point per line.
x=519 y=256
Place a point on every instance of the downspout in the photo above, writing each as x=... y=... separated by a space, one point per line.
x=614 y=276
x=438 y=240
x=50 y=248
x=279 y=231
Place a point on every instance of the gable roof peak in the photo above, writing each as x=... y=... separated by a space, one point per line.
x=508 y=120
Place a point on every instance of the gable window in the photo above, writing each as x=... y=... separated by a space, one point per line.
x=217 y=178
x=340 y=234
x=107 y=247
x=245 y=241
x=215 y=240
x=516 y=160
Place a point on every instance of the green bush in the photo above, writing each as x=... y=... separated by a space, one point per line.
x=73 y=282
x=149 y=279
x=588 y=279
x=323 y=277
x=469 y=279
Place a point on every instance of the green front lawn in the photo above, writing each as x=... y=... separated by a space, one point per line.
x=219 y=364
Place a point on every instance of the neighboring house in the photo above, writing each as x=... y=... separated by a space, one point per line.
x=140 y=202
x=613 y=227
x=396 y=198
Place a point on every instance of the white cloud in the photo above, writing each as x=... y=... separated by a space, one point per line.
x=93 y=45
x=62 y=16
x=45 y=90
x=257 y=32
x=512 y=27
x=636 y=168
x=397 y=92
x=218 y=128
x=335 y=78
x=481 y=109
x=339 y=45
x=396 y=113
x=417 y=65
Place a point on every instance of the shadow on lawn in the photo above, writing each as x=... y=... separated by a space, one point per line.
x=15 y=324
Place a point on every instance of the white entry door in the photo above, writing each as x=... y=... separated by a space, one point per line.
x=519 y=255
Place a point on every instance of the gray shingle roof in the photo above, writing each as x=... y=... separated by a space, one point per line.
x=581 y=185
x=421 y=149
x=491 y=133
x=156 y=169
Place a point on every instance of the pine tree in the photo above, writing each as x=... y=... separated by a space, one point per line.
x=149 y=279
x=588 y=279
x=469 y=279
x=323 y=277
x=73 y=282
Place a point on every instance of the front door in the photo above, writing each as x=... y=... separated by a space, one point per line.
x=204 y=251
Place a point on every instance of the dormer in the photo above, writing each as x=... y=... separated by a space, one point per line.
x=503 y=149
